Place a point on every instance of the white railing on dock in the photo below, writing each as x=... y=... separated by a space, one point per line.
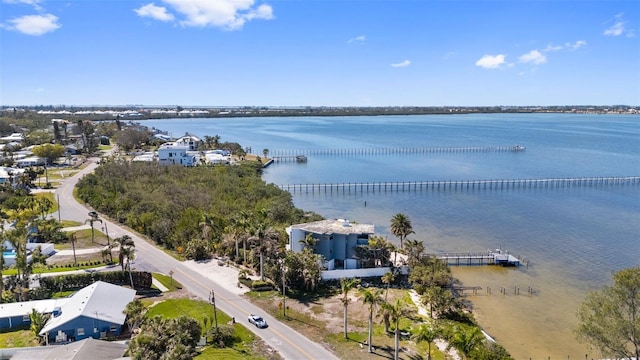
x=281 y=153
x=460 y=184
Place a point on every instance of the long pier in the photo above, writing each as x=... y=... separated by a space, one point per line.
x=417 y=186
x=281 y=153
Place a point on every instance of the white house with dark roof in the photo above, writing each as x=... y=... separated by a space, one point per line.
x=95 y=311
x=337 y=240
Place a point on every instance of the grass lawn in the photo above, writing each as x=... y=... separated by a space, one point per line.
x=18 y=338
x=246 y=345
x=167 y=281
x=39 y=269
x=50 y=196
x=83 y=239
x=69 y=223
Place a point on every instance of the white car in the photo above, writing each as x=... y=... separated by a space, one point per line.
x=258 y=321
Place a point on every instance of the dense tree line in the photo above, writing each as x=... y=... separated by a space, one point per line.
x=199 y=210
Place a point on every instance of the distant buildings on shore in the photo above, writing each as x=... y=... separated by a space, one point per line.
x=140 y=112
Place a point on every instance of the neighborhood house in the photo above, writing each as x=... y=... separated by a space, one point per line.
x=337 y=240
x=95 y=311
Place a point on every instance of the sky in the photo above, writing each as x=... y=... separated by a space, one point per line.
x=319 y=52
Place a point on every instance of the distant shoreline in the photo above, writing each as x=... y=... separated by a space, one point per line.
x=139 y=112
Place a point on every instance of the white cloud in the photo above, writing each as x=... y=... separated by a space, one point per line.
x=552 y=48
x=227 y=14
x=533 y=56
x=34 y=3
x=619 y=28
x=360 y=38
x=578 y=44
x=491 y=61
x=34 y=25
x=402 y=64
x=615 y=30
x=28 y=2
x=154 y=12
x=448 y=55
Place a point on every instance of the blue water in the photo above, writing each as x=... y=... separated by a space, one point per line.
x=574 y=237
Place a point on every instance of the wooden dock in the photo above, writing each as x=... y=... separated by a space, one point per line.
x=419 y=186
x=281 y=153
x=490 y=257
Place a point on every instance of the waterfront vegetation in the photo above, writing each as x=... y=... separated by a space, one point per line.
x=228 y=211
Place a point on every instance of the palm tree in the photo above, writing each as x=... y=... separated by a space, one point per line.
x=425 y=332
x=93 y=217
x=401 y=227
x=467 y=340
x=38 y=320
x=73 y=237
x=127 y=251
x=135 y=312
x=414 y=249
x=211 y=227
x=244 y=225
x=372 y=298
x=309 y=242
x=387 y=279
x=346 y=284
x=396 y=312
x=258 y=232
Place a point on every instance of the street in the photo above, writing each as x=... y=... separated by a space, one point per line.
x=288 y=342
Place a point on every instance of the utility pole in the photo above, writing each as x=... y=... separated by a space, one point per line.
x=58 y=195
x=212 y=299
x=284 y=290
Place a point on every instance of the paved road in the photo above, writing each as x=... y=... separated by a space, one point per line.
x=290 y=343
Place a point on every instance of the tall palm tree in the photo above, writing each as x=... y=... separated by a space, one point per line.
x=346 y=284
x=73 y=237
x=211 y=226
x=371 y=297
x=244 y=223
x=259 y=232
x=414 y=249
x=397 y=311
x=93 y=217
x=127 y=251
x=401 y=227
x=387 y=279
x=425 y=332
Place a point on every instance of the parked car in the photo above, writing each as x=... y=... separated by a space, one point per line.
x=258 y=321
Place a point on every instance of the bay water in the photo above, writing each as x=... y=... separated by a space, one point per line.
x=574 y=238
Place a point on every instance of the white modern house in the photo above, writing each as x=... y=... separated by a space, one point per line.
x=172 y=153
x=337 y=240
x=190 y=141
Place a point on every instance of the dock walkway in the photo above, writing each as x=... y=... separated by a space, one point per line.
x=490 y=257
x=418 y=186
